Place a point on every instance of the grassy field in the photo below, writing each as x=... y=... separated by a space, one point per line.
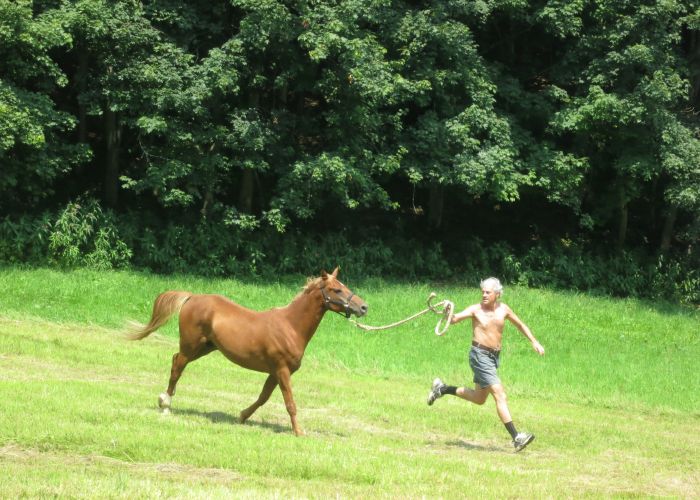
x=615 y=403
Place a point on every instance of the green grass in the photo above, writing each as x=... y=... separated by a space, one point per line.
x=614 y=403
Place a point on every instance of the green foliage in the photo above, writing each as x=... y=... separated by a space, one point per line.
x=25 y=42
x=80 y=235
x=568 y=266
x=34 y=148
x=221 y=132
x=25 y=240
x=85 y=235
x=633 y=83
x=680 y=150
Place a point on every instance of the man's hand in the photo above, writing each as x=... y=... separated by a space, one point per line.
x=538 y=348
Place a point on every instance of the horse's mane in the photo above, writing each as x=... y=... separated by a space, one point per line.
x=311 y=285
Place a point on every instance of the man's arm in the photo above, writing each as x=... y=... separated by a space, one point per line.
x=467 y=313
x=513 y=318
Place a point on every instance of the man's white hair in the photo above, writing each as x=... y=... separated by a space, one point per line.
x=494 y=284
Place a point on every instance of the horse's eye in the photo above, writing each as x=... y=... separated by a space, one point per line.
x=337 y=290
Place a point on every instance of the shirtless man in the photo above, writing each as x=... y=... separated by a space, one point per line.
x=488 y=319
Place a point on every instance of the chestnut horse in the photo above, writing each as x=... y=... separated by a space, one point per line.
x=271 y=341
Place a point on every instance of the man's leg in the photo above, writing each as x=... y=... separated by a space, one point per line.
x=477 y=395
x=499 y=395
x=520 y=439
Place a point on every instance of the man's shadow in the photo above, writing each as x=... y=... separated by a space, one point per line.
x=474 y=446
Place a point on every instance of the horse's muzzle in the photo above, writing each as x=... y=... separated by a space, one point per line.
x=358 y=311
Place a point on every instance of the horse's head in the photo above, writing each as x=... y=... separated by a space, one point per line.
x=339 y=298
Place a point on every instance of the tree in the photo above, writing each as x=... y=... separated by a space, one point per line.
x=624 y=112
x=35 y=150
x=123 y=71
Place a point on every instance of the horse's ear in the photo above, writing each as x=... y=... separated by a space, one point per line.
x=335 y=271
x=324 y=274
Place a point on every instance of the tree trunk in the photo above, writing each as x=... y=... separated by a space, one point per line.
x=623 y=212
x=81 y=78
x=208 y=200
x=694 y=63
x=667 y=234
x=113 y=140
x=245 y=195
x=247 y=188
x=436 y=204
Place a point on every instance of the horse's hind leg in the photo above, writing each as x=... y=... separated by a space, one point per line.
x=267 y=389
x=178 y=366
x=180 y=361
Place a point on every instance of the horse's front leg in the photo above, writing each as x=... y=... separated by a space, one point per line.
x=267 y=389
x=285 y=381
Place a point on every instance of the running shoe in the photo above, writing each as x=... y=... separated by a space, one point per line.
x=522 y=440
x=436 y=391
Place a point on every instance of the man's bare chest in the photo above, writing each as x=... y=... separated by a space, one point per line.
x=490 y=320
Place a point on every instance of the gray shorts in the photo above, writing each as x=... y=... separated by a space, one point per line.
x=484 y=365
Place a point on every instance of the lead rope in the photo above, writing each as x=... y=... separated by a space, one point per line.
x=445 y=308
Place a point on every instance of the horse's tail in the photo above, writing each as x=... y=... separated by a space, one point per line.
x=165 y=305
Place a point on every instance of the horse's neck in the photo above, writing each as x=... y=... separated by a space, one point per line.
x=305 y=314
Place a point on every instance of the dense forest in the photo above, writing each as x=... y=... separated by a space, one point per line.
x=552 y=143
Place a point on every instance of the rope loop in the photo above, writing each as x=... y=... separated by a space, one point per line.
x=444 y=308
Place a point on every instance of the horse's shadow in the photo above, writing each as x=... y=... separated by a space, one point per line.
x=219 y=417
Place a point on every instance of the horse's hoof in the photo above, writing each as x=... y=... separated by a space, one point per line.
x=165 y=411
x=164 y=401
